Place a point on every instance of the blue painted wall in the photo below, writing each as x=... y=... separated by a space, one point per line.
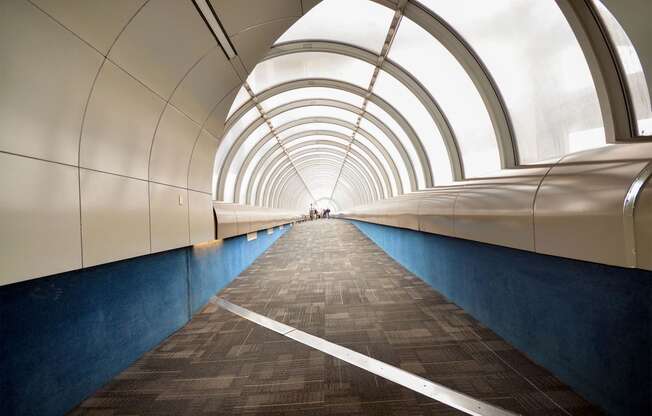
x=590 y=324
x=62 y=337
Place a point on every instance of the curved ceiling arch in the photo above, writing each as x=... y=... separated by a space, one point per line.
x=361 y=153
x=391 y=136
x=362 y=193
x=314 y=156
x=334 y=122
x=364 y=169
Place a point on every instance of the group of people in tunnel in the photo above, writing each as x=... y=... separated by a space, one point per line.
x=314 y=213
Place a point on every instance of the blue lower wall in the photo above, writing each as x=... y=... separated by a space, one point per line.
x=590 y=324
x=62 y=337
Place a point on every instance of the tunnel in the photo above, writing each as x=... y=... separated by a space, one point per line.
x=325 y=207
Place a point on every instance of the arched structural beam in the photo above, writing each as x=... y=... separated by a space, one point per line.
x=361 y=164
x=397 y=72
x=383 y=182
x=362 y=192
x=315 y=156
x=232 y=152
x=357 y=193
x=324 y=120
x=353 y=89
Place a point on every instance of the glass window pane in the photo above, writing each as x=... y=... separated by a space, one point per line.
x=313 y=111
x=359 y=22
x=541 y=72
x=229 y=138
x=306 y=139
x=255 y=159
x=313 y=126
x=238 y=159
x=305 y=65
x=445 y=79
x=364 y=141
x=636 y=82
x=416 y=114
x=391 y=149
x=311 y=93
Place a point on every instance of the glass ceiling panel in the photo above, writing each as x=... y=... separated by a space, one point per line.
x=306 y=65
x=230 y=137
x=238 y=159
x=359 y=22
x=306 y=139
x=391 y=149
x=255 y=158
x=313 y=126
x=533 y=55
x=241 y=98
x=402 y=137
x=313 y=111
x=311 y=93
x=416 y=114
x=364 y=141
x=636 y=82
x=445 y=79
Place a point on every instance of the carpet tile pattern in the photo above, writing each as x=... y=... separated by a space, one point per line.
x=326 y=278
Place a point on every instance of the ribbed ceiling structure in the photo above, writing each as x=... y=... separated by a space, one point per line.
x=363 y=100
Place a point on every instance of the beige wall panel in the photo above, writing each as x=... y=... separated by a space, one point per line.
x=436 y=213
x=215 y=122
x=258 y=12
x=115 y=217
x=253 y=44
x=200 y=173
x=579 y=207
x=98 y=22
x=499 y=211
x=39 y=219
x=202 y=225
x=46 y=74
x=162 y=43
x=120 y=123
x=205 y=85
x=169 y=217
x=227 y=219
x=643 y=227
x=175 y=137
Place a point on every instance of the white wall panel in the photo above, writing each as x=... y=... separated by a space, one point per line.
x=115 y=217
x=169 y=217
x=258 y=12
x=39 y=225
x=200 y=173
x=120 y=123
x=43 y=89
x=579 y=206
x=172 y=147
x=215 y=122
x=252 y=44
x=206 y=84
x=98 y=22
x=162 y=43
x=202 y=225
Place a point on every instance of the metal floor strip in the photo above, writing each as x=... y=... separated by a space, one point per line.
x=411 y=381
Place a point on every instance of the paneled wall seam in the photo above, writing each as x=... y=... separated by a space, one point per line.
x=257 y=25
x=534 y=202
x=151 y=147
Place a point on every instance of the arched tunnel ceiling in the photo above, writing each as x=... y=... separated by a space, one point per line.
x=388 y=97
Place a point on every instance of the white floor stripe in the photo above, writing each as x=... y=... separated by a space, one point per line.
x=413 y=382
